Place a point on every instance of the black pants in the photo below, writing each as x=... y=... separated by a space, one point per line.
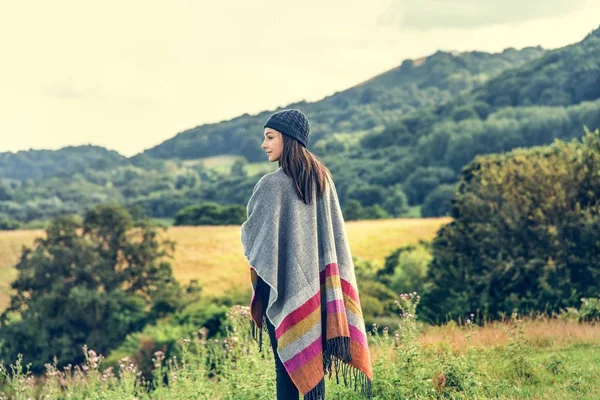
x=286 y=390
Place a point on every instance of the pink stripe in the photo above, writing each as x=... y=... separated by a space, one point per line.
x=357 y=335
x=349 y=290
x=330 y=269
x=304 y=356
x=336 y=306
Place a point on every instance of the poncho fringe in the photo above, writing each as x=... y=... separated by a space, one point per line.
x=338 y=345
x=301 y=252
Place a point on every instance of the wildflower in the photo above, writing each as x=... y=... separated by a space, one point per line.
x=203 y=332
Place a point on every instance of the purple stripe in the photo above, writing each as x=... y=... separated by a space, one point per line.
x=358 y=336
x=336 y=306
x=304 y=356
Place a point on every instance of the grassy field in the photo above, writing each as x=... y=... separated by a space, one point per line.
x=213 y=254
x=530 y=358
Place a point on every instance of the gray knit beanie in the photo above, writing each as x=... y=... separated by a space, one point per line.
x=292 y=123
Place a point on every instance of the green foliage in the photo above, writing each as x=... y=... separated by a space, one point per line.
x=518 y=352
x=524 y=235
x=90 y=281
x=231 y=367
x=425 y=180
x=406 y=269
x=205 y=314
x=353 y=210
x=7 y=224
x=589 y=311
x=415 y=126
x=366 y=201
x=211 y=213
x=34 y=164
x=5 y=194
x=438 y=202
x=251 y=149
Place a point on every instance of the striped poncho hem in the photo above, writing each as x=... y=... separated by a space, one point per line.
x=343 y=356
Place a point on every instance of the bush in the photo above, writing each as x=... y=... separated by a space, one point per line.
x=211 y=213
x=88 y=282
x=7 y=224
x=405 y=269
x=525 y=235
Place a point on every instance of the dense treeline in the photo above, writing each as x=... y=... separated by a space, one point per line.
x=400 y=162
x=36 y=164
x=525 y=234
x=414 y=84
x=554 y=96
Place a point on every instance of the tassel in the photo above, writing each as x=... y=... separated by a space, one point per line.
x=316 y=393
x=257 y=331
x=337 y=356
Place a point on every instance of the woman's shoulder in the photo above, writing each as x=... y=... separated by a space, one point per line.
x=272 y=180
x=274 y=177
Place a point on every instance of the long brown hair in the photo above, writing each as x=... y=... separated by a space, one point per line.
x=304 y=168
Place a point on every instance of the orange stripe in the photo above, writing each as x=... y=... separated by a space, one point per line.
x=337 y=325
x=309 y=375
x=361 y=358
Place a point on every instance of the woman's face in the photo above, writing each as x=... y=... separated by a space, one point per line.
x=273 y=144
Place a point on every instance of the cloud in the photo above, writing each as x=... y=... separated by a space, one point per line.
x=464 y=14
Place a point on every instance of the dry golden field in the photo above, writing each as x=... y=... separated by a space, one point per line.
x=213 y=254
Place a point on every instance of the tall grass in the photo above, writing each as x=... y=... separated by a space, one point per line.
x=535 y=358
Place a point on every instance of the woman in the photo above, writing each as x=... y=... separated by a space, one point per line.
x=304 y=286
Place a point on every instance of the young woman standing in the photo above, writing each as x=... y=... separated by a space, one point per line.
x=304 y=286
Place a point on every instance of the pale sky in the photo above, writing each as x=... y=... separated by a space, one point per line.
x=128 y=75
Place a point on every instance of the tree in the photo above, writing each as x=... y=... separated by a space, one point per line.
x=396 y=203
x=524 y=236
x=211 y=213
x=251 y=149
x=353 y=210
x=405 y=269
x=238 y=168
x=4 y=192
x=89 y=281
x=438 y=202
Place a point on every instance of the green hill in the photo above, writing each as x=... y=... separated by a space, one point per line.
x=415 y=83
x=400 y=137
x=35 y=164
x=554 y=96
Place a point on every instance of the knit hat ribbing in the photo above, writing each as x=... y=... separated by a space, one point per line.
x=292 y=123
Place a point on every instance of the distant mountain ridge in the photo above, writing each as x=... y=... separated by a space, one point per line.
x=415 y=83
x=395 y=143
x=37 y=164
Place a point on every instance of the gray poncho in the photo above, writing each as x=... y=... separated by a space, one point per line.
x=302 y=253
